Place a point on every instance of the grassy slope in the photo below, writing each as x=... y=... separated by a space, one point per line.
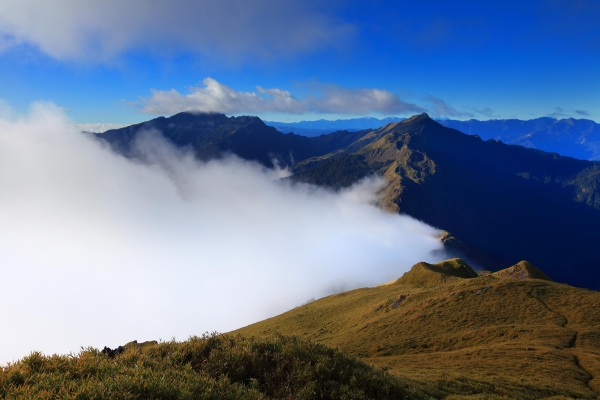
x=211 y=367
x=517 y=338
x=521 y=338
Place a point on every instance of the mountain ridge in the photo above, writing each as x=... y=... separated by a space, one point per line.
x=493 y=197
x=577 y=138
x=213 y=134
x=500 y=203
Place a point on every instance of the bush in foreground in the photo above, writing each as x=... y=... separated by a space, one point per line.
x=208 y=367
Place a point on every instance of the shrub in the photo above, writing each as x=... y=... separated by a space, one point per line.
x=208 y=367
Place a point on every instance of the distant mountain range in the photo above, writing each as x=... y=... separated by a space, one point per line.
x=499 y=203
x=323 y=126
x=577 y=138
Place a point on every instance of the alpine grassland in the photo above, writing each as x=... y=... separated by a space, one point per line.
x=454 y=334
x=208 y=367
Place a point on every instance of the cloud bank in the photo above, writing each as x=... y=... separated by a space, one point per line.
x=217 y=97
x=442 y=109
x=100 y=250
x=560 y=113
x=98 y=127
x=94 y=30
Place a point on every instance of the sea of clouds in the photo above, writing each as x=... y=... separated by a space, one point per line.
x=97 y=249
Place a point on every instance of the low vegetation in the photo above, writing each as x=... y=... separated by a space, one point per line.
x=208 y=367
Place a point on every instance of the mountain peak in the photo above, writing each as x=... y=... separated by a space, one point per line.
x=415 y=119
x=218 y=118
x=521 y=270
x=418 y=118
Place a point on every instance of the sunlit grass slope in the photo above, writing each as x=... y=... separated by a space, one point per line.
x=521 y=270
x=504 y=335
x=211 y=367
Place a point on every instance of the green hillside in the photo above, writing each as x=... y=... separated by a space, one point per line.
x=504 y=335
x=212 y=367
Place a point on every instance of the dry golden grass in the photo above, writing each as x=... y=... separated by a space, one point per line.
x=517 y=338
x=521 y=270
x=425 y=274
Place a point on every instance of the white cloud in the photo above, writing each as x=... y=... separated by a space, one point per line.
x=217 y=97
x=98 y=30
x=488 y=112
x=442 y=109
x=98 y=127
x=99 y=250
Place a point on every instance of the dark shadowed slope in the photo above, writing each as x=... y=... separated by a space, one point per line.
x=500 y=203
x=211 y=135
x=507 y=203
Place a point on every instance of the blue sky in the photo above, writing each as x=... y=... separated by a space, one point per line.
x=123 y=62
